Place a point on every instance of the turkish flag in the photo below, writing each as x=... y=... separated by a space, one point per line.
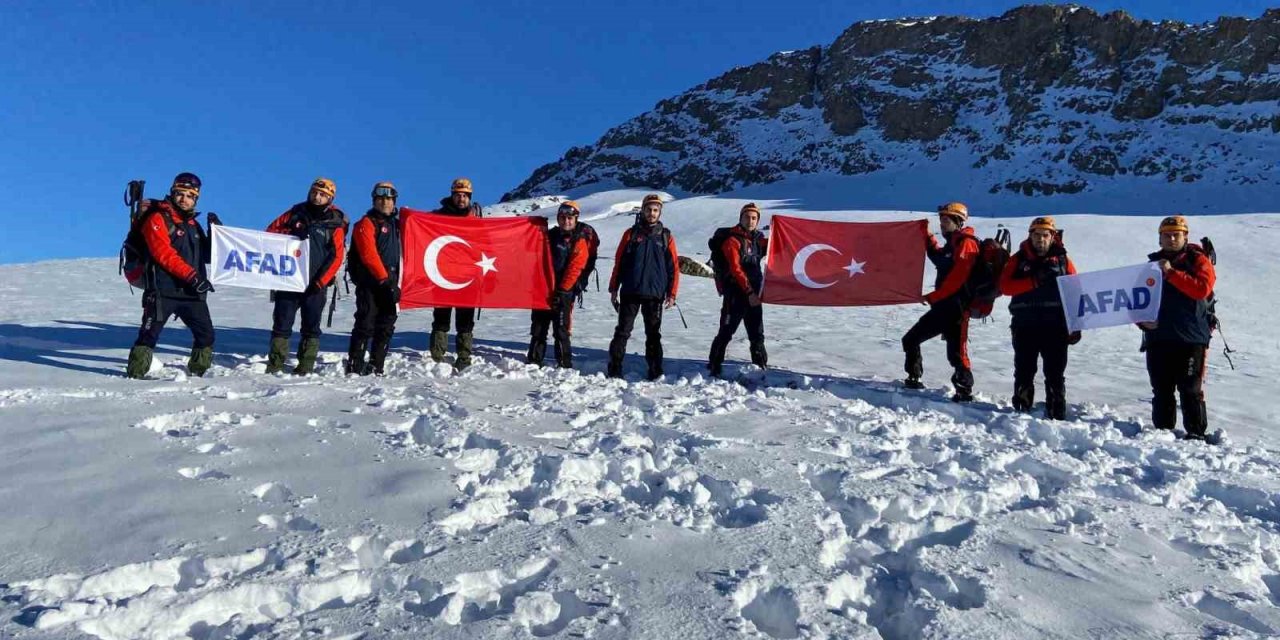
x=487 y=263
x=844 y=264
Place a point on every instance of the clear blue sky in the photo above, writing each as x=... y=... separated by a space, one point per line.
x=259 y=98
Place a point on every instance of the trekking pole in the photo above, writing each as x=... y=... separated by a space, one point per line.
x=1226 y=349
x=677 y=306
x=333 y=303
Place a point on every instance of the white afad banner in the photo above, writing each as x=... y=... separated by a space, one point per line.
x=257 y=259
x=1112 y=297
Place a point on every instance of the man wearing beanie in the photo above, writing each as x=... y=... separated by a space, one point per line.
x=743 y=251
x=646 y=276
x=374 y=265
x=1177 y=343
x=176 y=281
x=570 y=249
x=324 y=226
x=457 y=204
x=1039 y=327
x=948 y=313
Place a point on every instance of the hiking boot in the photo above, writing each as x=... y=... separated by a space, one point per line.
x=962 y=396
x=278 y=353
x=716 y=369
x=913 y=383
x=378 y=356
x=200 y=361
x=139 y=362
x=564 y=356
x=614 y=370
x=537 y=352
x=464 y=352
x=308 y=349
x=439 y=345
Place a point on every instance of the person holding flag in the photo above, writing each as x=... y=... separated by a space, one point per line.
x=646 y=276
x=1177 y=343
x=176 y=283
x=324 y=226
x=569 y=253
x=458 y=204
x=374 y=266
x=948 y=313
x=1039 y=326
x=742 y=252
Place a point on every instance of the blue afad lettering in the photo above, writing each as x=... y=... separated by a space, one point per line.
x=1109 y=300
x=255 y=262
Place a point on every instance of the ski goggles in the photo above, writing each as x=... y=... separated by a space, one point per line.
x=567 y=211
x=385 y=192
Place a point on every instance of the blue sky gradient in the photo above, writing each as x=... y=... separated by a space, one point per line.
x=259 y=98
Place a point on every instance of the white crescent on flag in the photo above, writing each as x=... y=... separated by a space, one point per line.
x=802 y=257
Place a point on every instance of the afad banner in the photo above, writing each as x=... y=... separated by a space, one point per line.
x=257 y=259
x=1113 y=297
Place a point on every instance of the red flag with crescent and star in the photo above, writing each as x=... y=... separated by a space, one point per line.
x=844 y=264
x=485 y=263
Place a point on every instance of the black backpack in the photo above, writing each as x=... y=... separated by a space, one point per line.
x=134 y=256
x=984 y=281
x=719 y=263
x=1212 y=302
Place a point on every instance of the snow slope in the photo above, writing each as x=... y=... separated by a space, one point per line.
x=819 y=500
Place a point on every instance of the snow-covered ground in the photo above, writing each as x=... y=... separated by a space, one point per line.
x=820 y=500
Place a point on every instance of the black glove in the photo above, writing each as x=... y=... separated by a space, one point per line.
x=314 y=287
x=392 y=290
x=562 y=299
x=213 y=218
x=1074 y=337
x=201 y=285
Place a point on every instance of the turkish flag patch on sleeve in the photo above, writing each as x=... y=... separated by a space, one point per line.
x=844 y=264
x=484 y=263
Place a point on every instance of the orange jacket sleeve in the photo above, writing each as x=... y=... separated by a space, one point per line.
x=966 y=255
x=675 y=266
x=732 y=250
x=366 y=245
x=338 y=247
x=1071 y=267
x=1196 y=284
x=1011 y=286
x=577 y=262
x=156 y=234
x=617 y=261
x=280 y=224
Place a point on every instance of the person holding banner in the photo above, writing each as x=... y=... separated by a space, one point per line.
x=374 y=266
x=569 y=252
x=1039 y=326
x=948 y=313
x=647 y=275
x=457 y=204
x=176 y=280
x=324 y=226
x=1177 y=343
x=743 y=252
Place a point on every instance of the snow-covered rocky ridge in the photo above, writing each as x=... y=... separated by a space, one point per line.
x=1051 y=108
x=819 y=500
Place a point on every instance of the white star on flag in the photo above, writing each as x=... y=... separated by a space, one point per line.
x=486 y=264
x=855 y=267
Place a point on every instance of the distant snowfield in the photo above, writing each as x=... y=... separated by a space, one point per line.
x=819 y=500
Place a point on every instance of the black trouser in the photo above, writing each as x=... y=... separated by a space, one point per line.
x=1180 y=367
x=375 y=319
x=1030 y=344
x=734 y=310
x=651 y=310
x=466 y=319
x=287 y=305
x=950 y=319
x=156 y=311
x=559 y=319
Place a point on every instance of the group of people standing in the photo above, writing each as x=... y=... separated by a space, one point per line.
x=645 y=281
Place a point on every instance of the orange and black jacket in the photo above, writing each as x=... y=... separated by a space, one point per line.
x=743 y=252
x=325 y=228
x=1032 y=281
x=954 y=262
x=646 y=264
x=375 y=249
x=1184 y=300
x=178 y=250
x=569 y=251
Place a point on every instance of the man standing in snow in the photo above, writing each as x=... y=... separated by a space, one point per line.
x=743 y=251
x=1039 y=327
x=324 y=226
x=569 y=252
x=374 y=265
x=1177 y=343
x=646 y=275
x=176 y=280
x=948 y=312
x=457 y=204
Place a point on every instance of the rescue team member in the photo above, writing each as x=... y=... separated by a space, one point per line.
x=743 y=252
x=457 y=204
x=569 y=251
x=374 y=266
x=646 y=276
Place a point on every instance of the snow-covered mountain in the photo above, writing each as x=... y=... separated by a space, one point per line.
x=819 y=501
x=1045 y=108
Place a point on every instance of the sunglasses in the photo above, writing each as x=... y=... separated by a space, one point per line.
x=385 y=192
x=177 y=193
x=567 y=212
